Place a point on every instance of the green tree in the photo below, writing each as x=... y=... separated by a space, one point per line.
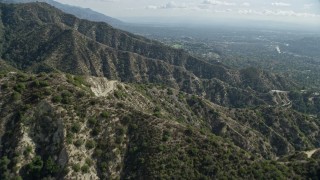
x=34 y=168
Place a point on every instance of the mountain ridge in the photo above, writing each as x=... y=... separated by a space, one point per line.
x=119 y=50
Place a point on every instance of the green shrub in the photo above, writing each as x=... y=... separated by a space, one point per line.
x=85 y=168
x=69 y=137
x=133 y=149
x=47 y=91
x=77 y=80
x=133 y=127
x=119 y=139
x=96 y=130
x=193 y=151
x=89 y=161
x=43 y=74
x=16 y=96
x=81 y=94
x=66 y=93
x=120 y=105
x=35 y=83
x=161 y=148
x=104 y=167
x=35 y=167
x=181 y=96
x=56 y=99
x=125 y=120
x=119 y=86
x=90 y=144
x=4 y=162
x=66 y=100
x=4 y=169
x=76 y=127
x=105 y=114
x=51 y=167
x=60 y=88
x=188 y=132
x=76 y=167
x=141 y=161
x=17 y=178
x=44 y=83
x=80 y=80
x=92 y=122
x=78 y=143
x=27 y=151
x=120 y=131
x=66 y=97
x=93 y=102
x=20 y=87
x=22 y=77
x=98 y=152
x=157 y=109
x=157 y=112
x=166 y=135
x=119 y=94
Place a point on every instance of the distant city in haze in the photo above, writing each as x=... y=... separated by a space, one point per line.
x=206 y=11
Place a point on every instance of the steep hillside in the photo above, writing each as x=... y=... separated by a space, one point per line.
x=38 y=39
x=62 y=126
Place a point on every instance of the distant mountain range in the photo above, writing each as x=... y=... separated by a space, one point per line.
x=82 y=13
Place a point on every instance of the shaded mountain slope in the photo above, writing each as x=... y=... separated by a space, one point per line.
x=100 y=50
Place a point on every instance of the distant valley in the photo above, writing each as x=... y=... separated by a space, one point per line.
x=292 y=53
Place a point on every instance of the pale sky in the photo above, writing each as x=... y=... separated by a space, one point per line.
x=193 y=10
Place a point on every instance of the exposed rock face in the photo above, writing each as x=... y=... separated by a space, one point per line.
x=101 y=87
